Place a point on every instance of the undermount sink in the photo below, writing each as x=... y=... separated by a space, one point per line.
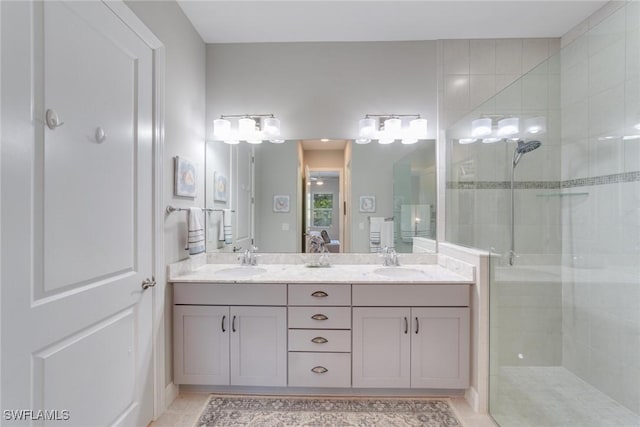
x=398 y=272
x=239 y=272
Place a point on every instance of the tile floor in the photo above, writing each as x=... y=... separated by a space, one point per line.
x=184 y=412
x=553 y=397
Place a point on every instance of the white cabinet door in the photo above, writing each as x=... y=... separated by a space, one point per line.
x=201 y=343
x=440 y=347
x=381 y=347
x=259 y=346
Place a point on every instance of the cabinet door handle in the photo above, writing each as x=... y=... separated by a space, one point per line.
x=319 y=370
x=417 y=325
x=233 y=324
x=319 y=317
x=320 y=340
x=319 y=294
x=223 y=319
x=406 y=325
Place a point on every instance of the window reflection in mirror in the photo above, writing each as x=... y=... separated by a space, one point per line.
x=281 y=193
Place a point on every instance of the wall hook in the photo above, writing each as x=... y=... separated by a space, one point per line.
x=51 y=117
x=100 y=135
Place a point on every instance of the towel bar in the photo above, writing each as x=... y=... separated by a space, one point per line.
x=171 y=209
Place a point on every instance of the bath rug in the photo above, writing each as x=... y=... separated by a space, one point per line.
x=290 y=411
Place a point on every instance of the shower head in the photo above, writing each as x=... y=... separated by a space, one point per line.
x=523 y=148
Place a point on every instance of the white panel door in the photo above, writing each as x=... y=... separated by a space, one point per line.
x=201 y=344
x=259 y=346
x=381 y=347
x=243 y=196
x=440 y=347
x=77 y=218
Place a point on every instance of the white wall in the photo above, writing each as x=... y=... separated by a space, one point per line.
x=321 y=90
x=184 y=128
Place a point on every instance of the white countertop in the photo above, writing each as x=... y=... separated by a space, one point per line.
x=300 y=273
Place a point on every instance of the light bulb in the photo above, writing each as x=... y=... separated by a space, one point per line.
x=271 y=127
x=362 y=140
x=221 y=128
x=508 y=126
x=481 y=127
x=393 y=128
x=535 y=125
x=366 y=128
x=467 y=140
x=490 y=140
x=246 y=127
x=418 y=128
x=231 y=141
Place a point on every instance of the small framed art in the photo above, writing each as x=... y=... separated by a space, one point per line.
x=220 y=190
x=185 y=178
x=281 y=203
x=367 y=203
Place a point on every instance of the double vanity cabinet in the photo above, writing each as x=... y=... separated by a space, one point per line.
x=335 y=335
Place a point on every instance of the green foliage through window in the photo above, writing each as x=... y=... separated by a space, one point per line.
x=322 y=209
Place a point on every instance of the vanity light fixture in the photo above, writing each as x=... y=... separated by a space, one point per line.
x=508 y=126
x=535 y=125
x=481 y=127
x=252 y=128
x=387 y=128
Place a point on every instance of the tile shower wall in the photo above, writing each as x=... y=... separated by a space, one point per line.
x=526 y=300
x=601 y=228
x=473 y=71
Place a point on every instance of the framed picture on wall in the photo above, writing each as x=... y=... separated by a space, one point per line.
x=281 y=203
x=220 y=189
x=367 y=203
x=185 y=177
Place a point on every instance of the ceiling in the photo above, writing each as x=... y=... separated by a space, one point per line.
x=241 y=21
x=320 y=144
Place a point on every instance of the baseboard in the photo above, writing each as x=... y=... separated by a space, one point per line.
x=473 y=399
x=170 y=393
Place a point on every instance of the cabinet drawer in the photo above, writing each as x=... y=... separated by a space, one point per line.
x=319 y=340
x=230 y=293
x=411 y=295
x=320 y=317
x=320 y=294
x=320 y=369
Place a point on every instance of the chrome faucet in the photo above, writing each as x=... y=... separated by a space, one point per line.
x=249 y=256
x=389 y=257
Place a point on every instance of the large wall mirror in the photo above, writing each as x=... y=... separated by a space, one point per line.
x=361 y=198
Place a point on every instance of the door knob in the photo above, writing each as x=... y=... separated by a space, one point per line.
x=148 y=283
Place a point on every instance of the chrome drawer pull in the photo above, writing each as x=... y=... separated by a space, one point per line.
x=319 y=317
x=319 y=370
x=320 y=340
x=319 y=294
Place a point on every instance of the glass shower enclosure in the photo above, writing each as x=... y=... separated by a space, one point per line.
x=563 y=226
